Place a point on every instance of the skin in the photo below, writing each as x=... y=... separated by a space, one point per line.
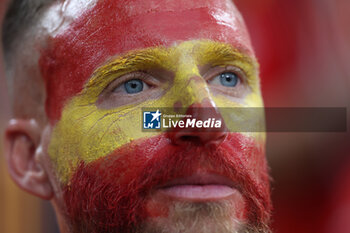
x=84 y=52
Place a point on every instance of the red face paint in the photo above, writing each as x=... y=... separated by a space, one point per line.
x=112 y=194
x=111 y=28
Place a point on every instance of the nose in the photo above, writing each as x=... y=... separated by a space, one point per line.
x=203 y=136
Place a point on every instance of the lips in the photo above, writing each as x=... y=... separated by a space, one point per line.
x=199 y=187
x=199 y=192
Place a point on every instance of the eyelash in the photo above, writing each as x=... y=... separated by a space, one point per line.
x=227 y=69
x=144 y=77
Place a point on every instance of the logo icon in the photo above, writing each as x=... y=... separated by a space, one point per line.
x=151 y=120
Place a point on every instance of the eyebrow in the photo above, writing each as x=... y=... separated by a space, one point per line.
x=217 y=53
x=214 y=52
x=132 y=61
x=207 y=52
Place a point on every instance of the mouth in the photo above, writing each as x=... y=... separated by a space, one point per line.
x=199 y=187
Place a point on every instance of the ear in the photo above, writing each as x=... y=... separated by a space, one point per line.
x=22 y=151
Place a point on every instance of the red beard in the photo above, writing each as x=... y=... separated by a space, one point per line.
x=109 y=194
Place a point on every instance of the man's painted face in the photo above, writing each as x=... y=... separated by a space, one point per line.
x=120 y=56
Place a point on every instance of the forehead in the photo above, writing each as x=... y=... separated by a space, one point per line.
x=82 y=35
x=150 y=18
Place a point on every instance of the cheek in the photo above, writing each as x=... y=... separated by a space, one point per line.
x=253 y=156
x=245 y=116
x=86 y=133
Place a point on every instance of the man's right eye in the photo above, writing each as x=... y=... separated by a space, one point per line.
x=130 y=89
x=132 y=86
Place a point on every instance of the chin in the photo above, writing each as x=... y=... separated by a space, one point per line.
x=195 y=217
x=222 y=216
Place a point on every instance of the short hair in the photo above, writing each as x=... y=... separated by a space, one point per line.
x=20 y=15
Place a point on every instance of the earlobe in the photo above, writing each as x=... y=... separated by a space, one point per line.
x=22 y=149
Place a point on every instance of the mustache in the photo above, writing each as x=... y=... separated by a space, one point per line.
x=109 y=194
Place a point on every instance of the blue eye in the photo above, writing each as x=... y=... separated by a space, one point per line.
x=133 y=86
x=229 y=79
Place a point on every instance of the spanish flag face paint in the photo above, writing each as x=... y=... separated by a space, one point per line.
x=120 y=57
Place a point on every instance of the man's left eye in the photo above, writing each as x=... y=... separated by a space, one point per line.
x=228 y=79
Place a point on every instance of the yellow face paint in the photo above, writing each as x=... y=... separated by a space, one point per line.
x=87 y=131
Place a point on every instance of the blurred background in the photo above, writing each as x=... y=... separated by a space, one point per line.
x=304 y=51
